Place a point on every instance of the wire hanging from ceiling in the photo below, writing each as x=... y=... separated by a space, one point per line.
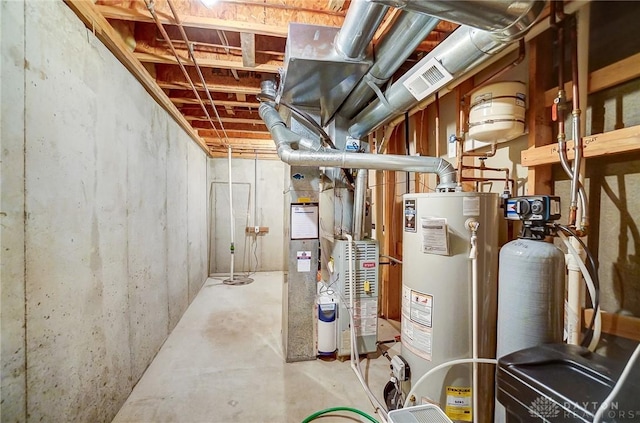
x=151 y=7
x=199 y=71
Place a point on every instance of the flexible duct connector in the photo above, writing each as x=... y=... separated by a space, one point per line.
x=360 y=25
x=286 y=140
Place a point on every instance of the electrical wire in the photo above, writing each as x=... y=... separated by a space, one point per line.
x=199 y=71
x=317 y=414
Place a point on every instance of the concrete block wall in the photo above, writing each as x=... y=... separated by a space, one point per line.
x=258 y=183
x=103 y=218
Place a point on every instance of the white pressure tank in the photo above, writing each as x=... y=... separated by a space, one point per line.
x=497 y=112
x=437 y=296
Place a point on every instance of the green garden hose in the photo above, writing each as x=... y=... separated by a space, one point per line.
x=332 y=409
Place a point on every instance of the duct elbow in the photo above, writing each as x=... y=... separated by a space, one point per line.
x=447 y=174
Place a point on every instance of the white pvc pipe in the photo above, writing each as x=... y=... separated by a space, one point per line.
x=232 y=226
x=443 y=366
x=597 y=329
x=474 y=307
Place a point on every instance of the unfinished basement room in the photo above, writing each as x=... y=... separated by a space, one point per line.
x=286 y=211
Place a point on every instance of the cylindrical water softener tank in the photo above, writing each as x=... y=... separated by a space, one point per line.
x=531 y=295
x=530 y=299
x=437 y=297
x=497 y=112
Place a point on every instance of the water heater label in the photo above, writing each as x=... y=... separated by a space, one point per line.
x=421 y=308
x=417 y=310
x=435 y=235
x=416 y=338
x=409 y=215
x=459 y=403
x=471 y=206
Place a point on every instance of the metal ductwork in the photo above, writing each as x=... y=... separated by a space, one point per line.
x=506 y=20
x=360 y=24
x=459 y=53
x=408 y=31
x=312 y=153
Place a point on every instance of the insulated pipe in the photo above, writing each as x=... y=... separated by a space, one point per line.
x=322 y=157
x=360 y=24
x=507 y=20
x=460 y=52
x=408 y=31
x=358 y=204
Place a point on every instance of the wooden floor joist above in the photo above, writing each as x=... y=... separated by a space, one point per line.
x=236 y=43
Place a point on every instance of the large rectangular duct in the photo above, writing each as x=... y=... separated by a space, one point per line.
x=316 y=75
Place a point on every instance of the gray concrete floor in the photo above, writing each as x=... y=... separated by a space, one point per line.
x=223 y=363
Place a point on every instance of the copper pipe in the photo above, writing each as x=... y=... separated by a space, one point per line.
x=195 y=63
x=506 y=170
x=483 y=179
x=151 y=7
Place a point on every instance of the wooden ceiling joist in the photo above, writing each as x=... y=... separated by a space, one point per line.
x=222 y=77
x=209 y=133
x=169 y=59
x=245 y=155
x=230 y=126
x=242 y=142
x=143 y=15
x=225 y=103
x=257 y=121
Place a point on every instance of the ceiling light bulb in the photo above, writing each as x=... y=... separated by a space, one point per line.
x=209 y=3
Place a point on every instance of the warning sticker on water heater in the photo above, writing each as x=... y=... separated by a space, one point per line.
x=421 y=308
x=435 y=236
x=416 y=338
x=459 y=403
x=416 y=322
